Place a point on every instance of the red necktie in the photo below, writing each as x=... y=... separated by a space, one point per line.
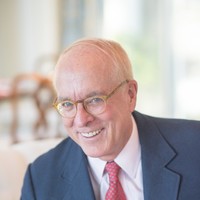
x=115 y=190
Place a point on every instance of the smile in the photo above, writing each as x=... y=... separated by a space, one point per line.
x=91 y=134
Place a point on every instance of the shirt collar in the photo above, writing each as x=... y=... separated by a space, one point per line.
x=129 y=157
x=97 y=167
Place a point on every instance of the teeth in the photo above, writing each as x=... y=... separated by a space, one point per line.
x=91 y=134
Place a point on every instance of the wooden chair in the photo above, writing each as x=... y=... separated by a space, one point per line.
x=40 y=90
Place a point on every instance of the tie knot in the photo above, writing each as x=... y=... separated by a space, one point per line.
x=113 y=169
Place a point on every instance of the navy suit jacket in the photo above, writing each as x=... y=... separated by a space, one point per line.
x=170 y=164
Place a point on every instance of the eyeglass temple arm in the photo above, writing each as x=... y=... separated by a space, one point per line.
x=126 y=81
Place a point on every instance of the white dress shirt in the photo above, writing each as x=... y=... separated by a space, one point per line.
x=130 y=174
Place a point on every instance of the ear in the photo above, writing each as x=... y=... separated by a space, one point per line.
x=132 y=92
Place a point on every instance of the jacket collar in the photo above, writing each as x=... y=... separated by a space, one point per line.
x=159 y=181
x=78 y=180
x=74 y=182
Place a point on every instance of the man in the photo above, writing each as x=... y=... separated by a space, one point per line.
x=157 y=159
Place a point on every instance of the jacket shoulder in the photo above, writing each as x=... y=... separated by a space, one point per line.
x=52 y=164
x=169 y=124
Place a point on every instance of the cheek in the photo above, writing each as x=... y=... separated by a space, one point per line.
x=120 y=109
x=117 y=117
x=113 y=118
x=68 y=124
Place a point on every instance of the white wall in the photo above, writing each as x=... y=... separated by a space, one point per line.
x=29 y=29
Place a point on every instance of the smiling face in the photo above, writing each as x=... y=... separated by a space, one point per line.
x=82 y=72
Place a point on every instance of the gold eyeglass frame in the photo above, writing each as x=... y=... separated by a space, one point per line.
x=104 y=97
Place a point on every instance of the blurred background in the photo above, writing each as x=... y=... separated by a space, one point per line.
x=162 y=38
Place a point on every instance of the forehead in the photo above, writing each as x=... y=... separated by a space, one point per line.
x=84 y=55
x=85 y=60
x=83 y=69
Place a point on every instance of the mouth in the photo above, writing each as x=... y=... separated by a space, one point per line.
x=91 y=133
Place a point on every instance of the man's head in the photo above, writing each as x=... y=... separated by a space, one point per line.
x=93 y=80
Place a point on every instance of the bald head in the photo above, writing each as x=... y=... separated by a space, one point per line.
x=117 y=64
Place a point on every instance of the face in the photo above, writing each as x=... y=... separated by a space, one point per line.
x=84 y=72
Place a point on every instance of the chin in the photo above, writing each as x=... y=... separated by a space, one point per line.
x=92 y=153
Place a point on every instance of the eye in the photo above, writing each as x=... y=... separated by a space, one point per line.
x=94 y=101
x=67 y=105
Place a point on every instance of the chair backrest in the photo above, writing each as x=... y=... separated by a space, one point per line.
x=39 y=89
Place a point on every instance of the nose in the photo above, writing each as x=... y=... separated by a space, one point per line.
x=82 y=117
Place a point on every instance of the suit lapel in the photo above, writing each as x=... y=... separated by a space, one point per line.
x=159 y=181
x=76 y=179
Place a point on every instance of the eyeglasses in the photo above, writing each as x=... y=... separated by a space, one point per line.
x=94 y=105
